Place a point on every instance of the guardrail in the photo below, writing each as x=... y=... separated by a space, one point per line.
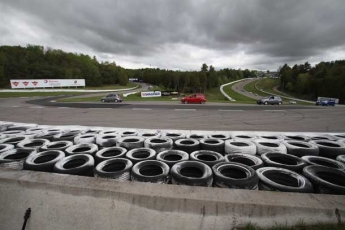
x=225 y=94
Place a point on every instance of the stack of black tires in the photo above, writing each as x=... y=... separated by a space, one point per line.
x=284 y=162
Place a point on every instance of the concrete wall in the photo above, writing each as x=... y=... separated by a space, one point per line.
x=65 y=202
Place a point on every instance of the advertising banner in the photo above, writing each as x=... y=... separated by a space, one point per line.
x=327 y=98
x=46 y=83
x=151 y=94
x=169 y=93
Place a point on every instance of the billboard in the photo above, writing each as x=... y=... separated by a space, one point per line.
x=336 y=100
x=46 y=83
x=151 y=94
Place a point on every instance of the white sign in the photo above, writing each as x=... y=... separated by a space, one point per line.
x=46 y=83
x=336 y=100
x=151 y=94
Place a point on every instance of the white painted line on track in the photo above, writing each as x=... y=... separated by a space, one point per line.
x=230 y=110
x=185 y=109
x=274 y=110
x=36 y=107
x=140 y=109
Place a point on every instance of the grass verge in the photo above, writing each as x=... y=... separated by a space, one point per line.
x=237 y=96
x=250 y=87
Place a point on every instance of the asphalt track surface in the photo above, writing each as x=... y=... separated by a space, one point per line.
x=174 y=115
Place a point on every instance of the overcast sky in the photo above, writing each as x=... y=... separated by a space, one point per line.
x=182 y=34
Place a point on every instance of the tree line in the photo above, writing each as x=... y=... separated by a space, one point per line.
x=326 y=79
x=37 y=62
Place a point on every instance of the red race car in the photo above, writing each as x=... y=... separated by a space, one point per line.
x=194 y=98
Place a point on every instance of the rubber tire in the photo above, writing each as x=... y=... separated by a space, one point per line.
x=174 y=135
x=296 y=137
x=252 y=161
x=128 y=133
x=331 y=182
x=325 y=162
x=21 y=127
x=35 y=130
x=150 y=134
x=48 y=135
x=57 y=145
x=341 y=159
x=27 y=143
x=322 y=137
x=340 y=136
x=110 y=153
x=180 y=154
x=282 y=175
x=5 y=147
x=206 y=178
x=220 y=136
x=265 y=146
x=200 y=154
x=67 y=136
x=112 y=168
x=243 y=136
x=107 y=140
x=14 y=140
x=187 y=145
x=159 y=144
x=285 y=161
x=85 y=139
x=326 y=150
x=47 y=165
x=2 y=136
x=149 y=154
x=196 y=136
x=16 y=155
x=150 y=167
x=109 y=132
x=271 y=137
x=13 y=133
x=91 y=149
x=250 y=181
x=300 y=148
x=84 y=168
x=131 y=142
x=216 y=145
x=239 y=146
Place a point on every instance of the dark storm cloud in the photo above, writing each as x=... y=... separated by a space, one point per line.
x=276 y=30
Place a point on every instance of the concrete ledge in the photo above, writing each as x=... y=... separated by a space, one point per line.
x=72 y=202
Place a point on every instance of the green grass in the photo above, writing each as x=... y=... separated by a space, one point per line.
x=267 y=85
x=300 y=226
x=250 y=87
x=237 y=96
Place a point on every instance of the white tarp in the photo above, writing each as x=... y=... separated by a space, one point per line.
x=151 y=94
x=46 y=83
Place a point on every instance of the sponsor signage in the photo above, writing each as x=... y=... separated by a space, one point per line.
x=46 y=83
x=336 y=100
x=151 y=94
x=169 y=93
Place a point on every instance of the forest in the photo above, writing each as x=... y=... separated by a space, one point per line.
x=38 y=62
x=326 y=79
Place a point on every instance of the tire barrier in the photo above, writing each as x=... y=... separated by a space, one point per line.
x=16 y=154
x=271 y=137
x=14 y=140
x=322 y=137
x=196 y=136
x=339 y=136
x=89 y=149
x=220 y=136
x=5 y=147
x=77 y=164
x=245 y=136
x=216 y=145
x=187 y=145
x=171 y=157
x=330 y=149
x=68 y=136
x=131 y=142
x=3 y=128
x=341 y=159
x=109 y=132
x=35 y=130
x=249 y=160
x=48 y=135
x=2 y=136
x=128 y=133
x=158 y=144
x=31 y=135
x=141 y=154
x=239 y=146
x=207 y=157
x=116 y=168
x=33 y=143
x=283 y=180
x=13 y=133
x=57 y=145
x=174 y=135
x=326 y=180
x=85 y=139
x=323 y=161
x=151 y=171
x=285 y=161
x=296 y=137
x=21 y=127
x=110 y=153
x=107 y=140
x=43 y=161
x=149 y=134
x=93 y=131
x=265 y=146
x=300 y=148
x=193 y=173
x=235 y=176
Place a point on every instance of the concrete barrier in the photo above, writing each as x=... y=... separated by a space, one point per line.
x=64 y=202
